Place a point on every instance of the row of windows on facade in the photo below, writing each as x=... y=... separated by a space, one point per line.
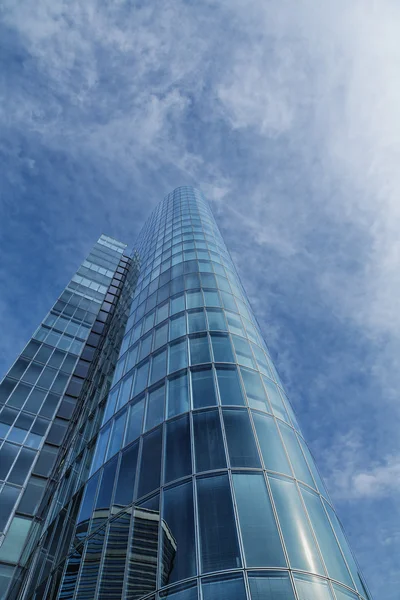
x=246 y=520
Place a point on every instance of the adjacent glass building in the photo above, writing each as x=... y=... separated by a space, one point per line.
x=182 y=472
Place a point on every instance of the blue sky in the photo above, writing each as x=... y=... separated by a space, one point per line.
x=287 y=116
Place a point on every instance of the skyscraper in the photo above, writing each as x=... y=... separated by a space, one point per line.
x=182 y=472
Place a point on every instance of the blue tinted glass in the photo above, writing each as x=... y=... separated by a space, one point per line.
x=254 y=390
x=178 y=395
x=178 y=356
x=312 y=588
x=326 y=539
x=177 y=304
x=230 y=390
x=197 y=321
x=296 y=457
x=276 y=400
x=90 y=569
x=126 y=476
x=125 y=391
x=177 y=327
x=234 y=323
x=312 y=467
x=342 y=594
x=199 y=350
x=243 y=352
x=229 y=303
x=178 y=539
x=218 y=540
x=150 y=466
x=101 y=448
x=194 y=299
x=160 y=336
x=181 y=592
x=117 y=434
x=239 y=434
x=113 y=567
x=155 y=407
x=222 y=348
x=262 y=544
x=162 y=313
x=270 y=586
x=271 y=445
x=131 y=358
x=296 y=531
x=145 y=346
x=177 y=449
x=224 y=587
x=142 y=373
x=135 y=419
x=211 y=298
x=216 y=319
x=158 y=366
x=203 y=388
x=208 y=442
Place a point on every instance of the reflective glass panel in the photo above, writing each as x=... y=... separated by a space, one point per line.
x=199 y=349
x=155 y=407
x=275 y=399
x=262 y=544
x=151 y=462
x=230 y=390
x=218 y=540
x=312 y=588
x=272 y=449
x=296 y=457
x=224 y=587
x=135 y=419
x=178 y=395
x=203 y=388
x=126 y=476
x=296 y=530
x=222 y=348
x=197 y=321
x=272 y=585
x=112 y=578
x=158 y=366
x=178 y=538
x=177 y=449
x=239 y=435
x=178 y=356
x=208 y=442
x=255 y=390
x=177 y=327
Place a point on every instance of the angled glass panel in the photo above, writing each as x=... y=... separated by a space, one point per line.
x=194 y=299
x=243 y=352
x=261 y=541
x=208 y=441
x=126 y=476
x=142 y=373
x=145 y=346
x=296 y=457
x=271 y=445
x=342 y=593
x=86 y=508
x=222 y=348
x=103 y=503
x=177 y=327
x=177 y=304
x=187 y=591
x=240 y=438
x=224 y=587
x=117 y=434
x=312 y=588
x=276 y=400
x=177 y=449
x=91 y=566
x=158 y=366
x=135 y=420
x=216 y=320
x=150 y=467
x=313 y=468
x=70 y=576
x=178 y=356
x=178 y=395
x=234 y=323
x=178 y=537
x=270 y=585
x=197 y=321
x=255 y=391
x=326 y=539
x=203 y=389
x=295 y=527
x=230 y=390
x=199 y=349
x=218 y=539
x=155 y=407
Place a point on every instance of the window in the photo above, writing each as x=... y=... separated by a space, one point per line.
x=142 y=373
x=177 y=304
x=222 y=348
x=177 y=449
x=218 y=540
x=208 y=442
x=224 y=587
x=234 y=322
x=296 y=457
x=113 y=568
x=216 y=319
x=254 y=390
x=243 y=352
x=230 y=390
x=22 y=466
x=262 y=544
x=15 y=539
x=194 y=299
x=179 y=539
x=145 y=346
x=125 y=391
x=239 y=435
x=270 y=585
x=271 y=444
x=203 y=388
x=199 y=349
x=296 y=531
x=151 y=462
x=312 y=588
x=117 y=434
x=177 y=327
x=135 y=418
x=155 y=407
x=178 y=356
x=178 y=395
x=276 y=400
x=160 y=336
x=326 y=539
x=126 y=476
x=197 y=321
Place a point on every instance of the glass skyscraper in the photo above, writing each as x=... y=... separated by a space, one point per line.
x=169 y=462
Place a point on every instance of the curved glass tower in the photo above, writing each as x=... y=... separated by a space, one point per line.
x=198 y=484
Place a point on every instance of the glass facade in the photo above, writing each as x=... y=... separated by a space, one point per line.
x=196 y=482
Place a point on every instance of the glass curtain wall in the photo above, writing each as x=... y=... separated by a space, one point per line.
x=202 y=486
